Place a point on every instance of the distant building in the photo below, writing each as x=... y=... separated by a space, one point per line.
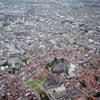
x=57 y=92
x=15 y=54
x=75 y=93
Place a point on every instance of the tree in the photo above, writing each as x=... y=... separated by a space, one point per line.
x=24 y=58
x=91 y=66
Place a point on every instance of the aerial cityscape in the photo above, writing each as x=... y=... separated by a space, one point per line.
x=49 y=49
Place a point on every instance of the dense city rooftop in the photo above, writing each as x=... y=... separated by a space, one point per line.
x=50 y=50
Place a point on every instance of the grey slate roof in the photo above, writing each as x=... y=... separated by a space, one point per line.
x=61 y=67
